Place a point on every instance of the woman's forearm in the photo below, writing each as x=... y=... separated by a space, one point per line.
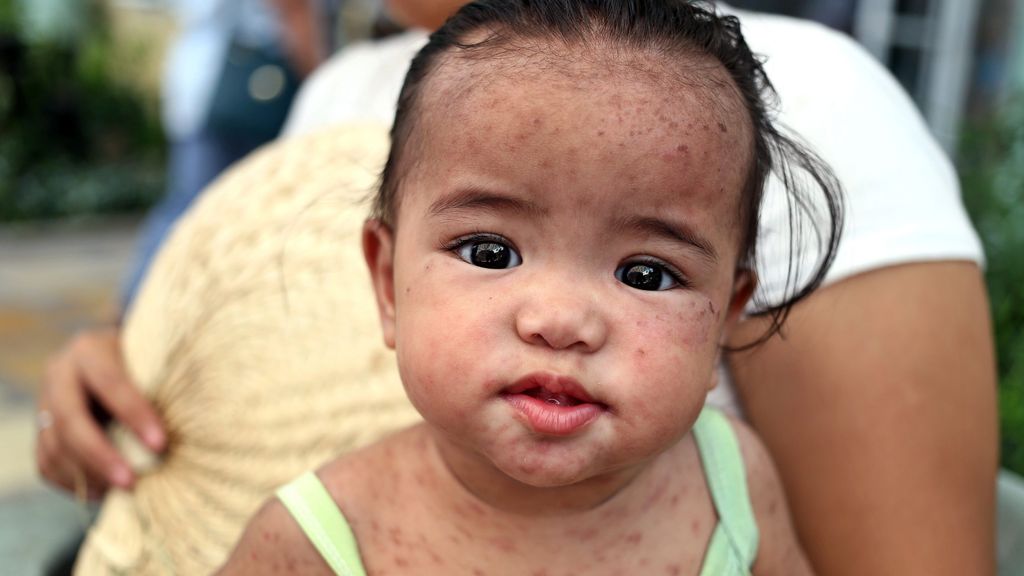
x=879 y=409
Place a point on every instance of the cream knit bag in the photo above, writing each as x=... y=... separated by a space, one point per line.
x=256 y=336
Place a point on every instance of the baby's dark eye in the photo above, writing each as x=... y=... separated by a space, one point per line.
x=488 y=253
x=646 y=276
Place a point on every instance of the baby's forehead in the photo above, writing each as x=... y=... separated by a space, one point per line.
x=624 y=133
x=465 y=80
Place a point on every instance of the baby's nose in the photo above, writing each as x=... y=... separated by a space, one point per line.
x=562 y=320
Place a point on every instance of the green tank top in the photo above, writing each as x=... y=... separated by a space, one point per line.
x=731 y=552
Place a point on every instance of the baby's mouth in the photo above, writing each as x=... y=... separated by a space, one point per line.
x=550 y=397
x=553 y=405
x=552 y=389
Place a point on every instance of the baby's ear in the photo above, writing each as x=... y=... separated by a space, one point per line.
x=379 y=251
x=742 y=290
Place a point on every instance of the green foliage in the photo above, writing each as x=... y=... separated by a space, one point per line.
x=992 y=171
x=74 y=139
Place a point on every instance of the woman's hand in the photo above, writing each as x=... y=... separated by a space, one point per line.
x=879 y=408
x=72 y=450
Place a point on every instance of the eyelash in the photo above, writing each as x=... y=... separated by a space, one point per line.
x=671 y=270
x=454 y=245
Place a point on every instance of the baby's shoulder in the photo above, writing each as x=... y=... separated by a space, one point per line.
x=273 y=543
x=360 y=484
x=778 y=551
x=756 y=460
x=763 y=485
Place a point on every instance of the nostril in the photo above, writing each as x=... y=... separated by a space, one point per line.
x=538 y=338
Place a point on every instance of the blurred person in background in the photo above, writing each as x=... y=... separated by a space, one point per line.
x=878 y=406
x=228 y=83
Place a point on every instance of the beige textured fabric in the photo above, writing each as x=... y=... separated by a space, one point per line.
x=256 y=335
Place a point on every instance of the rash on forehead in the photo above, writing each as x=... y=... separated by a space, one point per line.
x=566 y=112
x=588 y=68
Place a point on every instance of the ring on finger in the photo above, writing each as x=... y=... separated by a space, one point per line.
x=44 y=420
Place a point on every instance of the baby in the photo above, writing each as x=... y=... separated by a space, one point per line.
x=562 y=240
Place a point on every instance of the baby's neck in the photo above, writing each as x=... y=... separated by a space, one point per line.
x=478 y=480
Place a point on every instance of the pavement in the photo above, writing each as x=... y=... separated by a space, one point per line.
x=55 y=279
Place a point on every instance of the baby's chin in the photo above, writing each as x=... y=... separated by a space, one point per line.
x=555 y=468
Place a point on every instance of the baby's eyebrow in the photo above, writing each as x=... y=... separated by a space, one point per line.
x=672 y=231
x=481 y=199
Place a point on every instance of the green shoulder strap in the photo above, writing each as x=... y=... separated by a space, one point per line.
x=733 y=545
x=319 y=517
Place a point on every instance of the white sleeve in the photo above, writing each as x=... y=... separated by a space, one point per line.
x=902 y=194
x=359 y=84
x=329 y=87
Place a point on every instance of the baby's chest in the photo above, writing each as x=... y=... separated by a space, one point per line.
x=413 y=545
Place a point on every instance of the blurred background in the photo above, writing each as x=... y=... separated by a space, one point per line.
x=83 y=154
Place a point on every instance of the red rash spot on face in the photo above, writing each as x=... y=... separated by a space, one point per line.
x=395 y=534
x=673 y=570
x=477 y=509
x=401 y=562
x=541 y=572
x=505 y=545
x=634 y=538
x=478 y=572
x=600 y=132
x=584 y=535
x=640 y=353
x=674 y=501
x=683 y=148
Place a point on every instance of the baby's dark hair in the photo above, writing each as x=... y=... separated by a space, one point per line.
x=490 y=28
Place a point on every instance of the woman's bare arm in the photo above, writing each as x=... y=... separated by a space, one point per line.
x=879 y=410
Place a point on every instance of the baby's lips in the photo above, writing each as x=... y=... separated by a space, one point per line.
x=553 y=384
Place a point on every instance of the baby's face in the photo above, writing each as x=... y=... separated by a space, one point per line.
x=564 y=264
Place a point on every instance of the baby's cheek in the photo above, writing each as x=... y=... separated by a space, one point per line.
x=696 y=322
x=672 y=356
